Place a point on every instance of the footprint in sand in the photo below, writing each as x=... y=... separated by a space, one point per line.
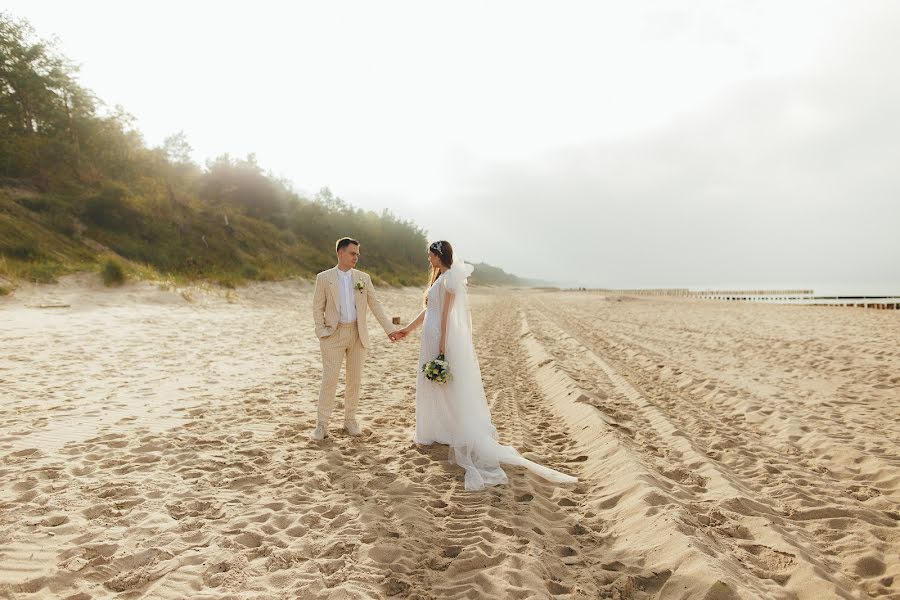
x=771 y=564
x=557 y=589
x=869 y=566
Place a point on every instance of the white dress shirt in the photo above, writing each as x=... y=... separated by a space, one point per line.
x=348 y=299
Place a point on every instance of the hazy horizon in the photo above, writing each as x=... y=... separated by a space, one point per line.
x=819 y=288
x=654 y=144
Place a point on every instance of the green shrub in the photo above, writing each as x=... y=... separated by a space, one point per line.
x=112 y=273
x=42 y=272
x=36 y=203
x=228 y=280
x=268 y=274
x=250 y=272
x=5 y=291
x=22 y=249
x=111 y=209
x=62 y=222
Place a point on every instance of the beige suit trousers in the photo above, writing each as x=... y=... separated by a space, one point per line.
x=343 y=344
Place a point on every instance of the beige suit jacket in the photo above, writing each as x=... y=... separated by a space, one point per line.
x=327 y=304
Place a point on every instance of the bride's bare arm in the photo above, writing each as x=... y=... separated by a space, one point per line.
x=413 y=324
x=445 y=315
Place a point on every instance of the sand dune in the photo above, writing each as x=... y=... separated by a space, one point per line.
x=153 y=443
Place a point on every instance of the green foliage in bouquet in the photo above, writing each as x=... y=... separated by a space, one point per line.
x=437 y=370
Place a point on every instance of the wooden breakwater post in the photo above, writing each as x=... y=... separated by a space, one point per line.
x=800 y=297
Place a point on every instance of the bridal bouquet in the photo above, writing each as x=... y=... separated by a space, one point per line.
x=437 y=370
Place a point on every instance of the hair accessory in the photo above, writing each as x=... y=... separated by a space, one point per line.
x=439 y=246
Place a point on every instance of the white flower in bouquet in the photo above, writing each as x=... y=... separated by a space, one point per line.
x=437 y=370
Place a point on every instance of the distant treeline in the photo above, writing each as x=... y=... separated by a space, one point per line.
x=486 y=274
x=80 y=188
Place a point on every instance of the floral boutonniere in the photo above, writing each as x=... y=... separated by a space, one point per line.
x=360 y=286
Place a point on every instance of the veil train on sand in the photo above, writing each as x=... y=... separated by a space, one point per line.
x=473 y=443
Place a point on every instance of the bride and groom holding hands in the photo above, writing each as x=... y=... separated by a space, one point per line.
x=452 y=412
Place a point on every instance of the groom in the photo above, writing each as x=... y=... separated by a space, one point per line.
x=340 y=300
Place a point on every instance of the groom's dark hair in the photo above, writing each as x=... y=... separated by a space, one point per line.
x=344 y=242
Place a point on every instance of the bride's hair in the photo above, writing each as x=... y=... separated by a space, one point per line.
x=444 y=251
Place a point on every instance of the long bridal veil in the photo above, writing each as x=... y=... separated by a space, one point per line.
x=473 y=443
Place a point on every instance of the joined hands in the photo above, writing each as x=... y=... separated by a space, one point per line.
x=397 y=335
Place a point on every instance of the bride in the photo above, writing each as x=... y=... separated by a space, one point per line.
x=456 y=412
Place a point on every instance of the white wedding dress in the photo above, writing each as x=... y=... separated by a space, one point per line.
x=456 y=413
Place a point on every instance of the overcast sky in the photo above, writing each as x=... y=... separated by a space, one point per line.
x=617 y=144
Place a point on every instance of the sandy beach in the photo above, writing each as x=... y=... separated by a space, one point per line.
x=154 y=444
